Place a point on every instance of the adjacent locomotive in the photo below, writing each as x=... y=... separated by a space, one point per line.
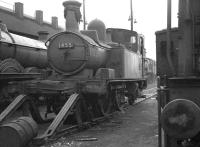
x=178 y=68
x=150 y=70
x=20 y=57
x=18 y=53
x=94 y=72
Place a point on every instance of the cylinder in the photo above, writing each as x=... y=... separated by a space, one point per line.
x=18 y=133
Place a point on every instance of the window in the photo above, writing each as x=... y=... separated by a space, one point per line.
x=133 y=40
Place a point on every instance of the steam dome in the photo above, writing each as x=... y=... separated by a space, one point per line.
x=100 y=27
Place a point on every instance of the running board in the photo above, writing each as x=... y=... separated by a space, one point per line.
x=60 y=118
x=12 y=107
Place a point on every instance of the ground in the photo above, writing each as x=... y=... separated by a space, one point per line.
x=136 y=126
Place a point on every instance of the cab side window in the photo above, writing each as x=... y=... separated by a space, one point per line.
x=141 y=45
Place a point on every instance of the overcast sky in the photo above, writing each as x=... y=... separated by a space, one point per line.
x=150 y=14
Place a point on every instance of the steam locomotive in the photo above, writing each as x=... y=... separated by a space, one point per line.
x=178 y=68
x=18 y=54
x=150 y=70
x=94 y=72
x=20 y=58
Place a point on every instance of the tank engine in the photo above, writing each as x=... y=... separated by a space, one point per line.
x=95 y=72
x=178 y=68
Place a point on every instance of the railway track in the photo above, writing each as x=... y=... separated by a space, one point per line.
x=149 y=93
x=139 y=100
x=58 y=127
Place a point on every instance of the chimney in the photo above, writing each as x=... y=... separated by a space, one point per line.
x=54 y=22
x=39 y=16
x=72 y=15
x=19 y=9
x=43 y=35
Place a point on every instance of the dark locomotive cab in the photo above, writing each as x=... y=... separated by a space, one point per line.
x=179 y=79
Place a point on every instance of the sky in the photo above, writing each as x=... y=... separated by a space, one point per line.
x=151 y=15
